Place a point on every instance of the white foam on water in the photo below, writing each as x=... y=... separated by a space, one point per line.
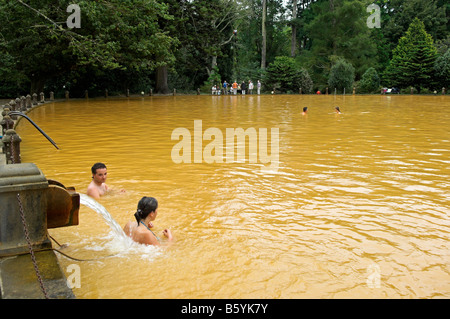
x=117 y=242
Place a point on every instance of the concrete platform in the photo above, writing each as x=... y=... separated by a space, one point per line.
x=18 y=278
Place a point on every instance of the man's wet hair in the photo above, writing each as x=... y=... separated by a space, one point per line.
x=96 y=166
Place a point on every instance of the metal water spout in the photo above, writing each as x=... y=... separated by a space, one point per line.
x=12 y=113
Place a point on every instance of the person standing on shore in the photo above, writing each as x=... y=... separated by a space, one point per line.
x=235 y=87
x=243 y=87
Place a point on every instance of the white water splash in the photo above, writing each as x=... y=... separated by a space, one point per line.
x=117 y=241
x=96 y=206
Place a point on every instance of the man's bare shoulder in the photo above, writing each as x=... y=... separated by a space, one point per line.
x=93 y=190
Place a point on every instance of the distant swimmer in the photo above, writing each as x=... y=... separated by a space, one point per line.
x=146 y=213
x=97 y=187
x=338 y=111
x=305 y=110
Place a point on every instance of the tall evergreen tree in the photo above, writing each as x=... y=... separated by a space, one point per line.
x=413 y=59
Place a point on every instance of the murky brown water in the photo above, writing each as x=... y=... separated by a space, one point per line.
x=358 y=207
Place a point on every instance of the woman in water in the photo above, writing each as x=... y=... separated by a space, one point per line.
x=146 y=213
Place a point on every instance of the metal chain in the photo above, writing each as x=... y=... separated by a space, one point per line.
x=30 y=247
x=25 y=230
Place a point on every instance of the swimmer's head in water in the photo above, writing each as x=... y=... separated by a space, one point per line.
x=305 y=109
x=96 y=166
x=146 y=206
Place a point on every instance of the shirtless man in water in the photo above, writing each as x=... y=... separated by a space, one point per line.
x=97 y=187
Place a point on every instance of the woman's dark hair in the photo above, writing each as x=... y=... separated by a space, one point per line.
x=305 y=109
x=145 y=206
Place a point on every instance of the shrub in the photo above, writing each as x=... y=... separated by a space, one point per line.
x=370 y=81
x=342 y=76
x=284 y=75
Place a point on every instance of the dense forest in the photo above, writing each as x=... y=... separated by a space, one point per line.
x=138 y=45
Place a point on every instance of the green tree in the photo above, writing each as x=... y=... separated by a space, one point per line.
x=342 y=75
x=284 y=75
x=442 y=70
x=338 y=28
x=397 y=15
x=370 y=81
x=304 y=81
x=413 y=59
x=115 y=35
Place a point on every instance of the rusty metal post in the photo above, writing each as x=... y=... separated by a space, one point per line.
x=7 y=123
x=11 y=141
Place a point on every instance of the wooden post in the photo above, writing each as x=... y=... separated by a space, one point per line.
x=106 y=93
x=174 y=92
x=67 y=95
x=42 y=97
x=86 y=94
x=52 y=96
